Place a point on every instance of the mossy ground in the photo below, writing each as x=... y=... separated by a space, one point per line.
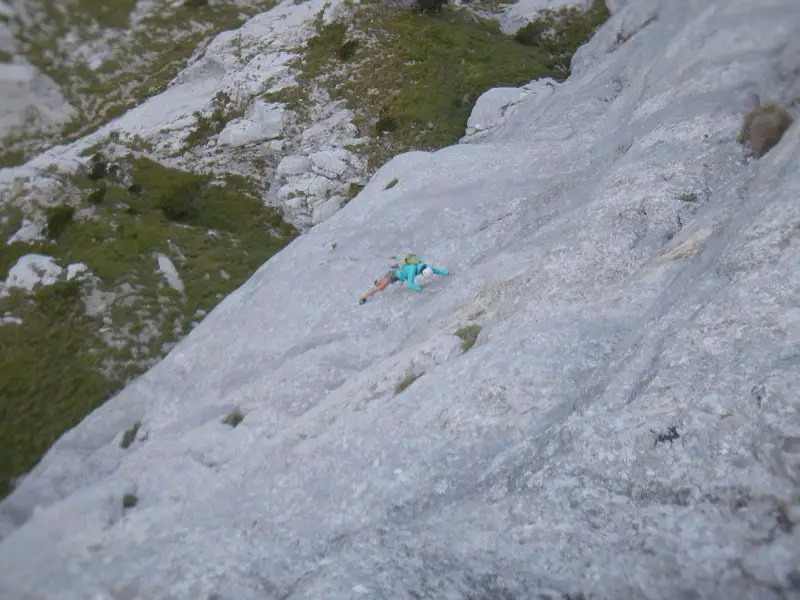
x=413 y=79
x=144 y=57
x=58 y=365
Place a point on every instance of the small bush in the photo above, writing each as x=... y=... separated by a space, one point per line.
x=96 y=196
x=135 y=189
x=385 y=124
x=468 y=335
x=391 y=184
x=429 y=6
x=531 y=34
x=129 y=501
x=404 y=383
x=181 y=203
x=98 y=168
x=57 y=220
x=688 y=197
x=60 y=300
x=347 y=50
x=130 y=435
x=195 y=3
x=234 y=418
x=764 y=127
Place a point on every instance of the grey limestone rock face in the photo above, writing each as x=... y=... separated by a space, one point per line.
x=627 y=425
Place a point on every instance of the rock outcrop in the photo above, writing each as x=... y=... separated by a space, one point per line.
x=31 y=102
x=626 y=426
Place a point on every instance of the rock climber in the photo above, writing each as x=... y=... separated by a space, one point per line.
x=406 y=270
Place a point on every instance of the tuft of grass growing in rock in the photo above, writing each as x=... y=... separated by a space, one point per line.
x=233 y=418
x=404 y=383
x=208 y=127
x=468 y=335
x=130 y=435
x=353 y=190
x=64 y=362
x=391 y=184
x=57 y=220
x=417 y=76
x=688 y=197
x=129 y=501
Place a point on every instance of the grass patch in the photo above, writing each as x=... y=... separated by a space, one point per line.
x=560 y=33
x=130 y=435
x=417 y=76
x=391 y=184
x=406 y=381
x=468 y=335
x=233 y=418
x=6 y=57
x=57 y=366
x=688 y=197
x=129 y=501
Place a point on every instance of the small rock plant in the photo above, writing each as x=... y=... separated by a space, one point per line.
x=764 y=127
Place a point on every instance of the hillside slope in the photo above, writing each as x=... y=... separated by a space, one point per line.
x=626 y=426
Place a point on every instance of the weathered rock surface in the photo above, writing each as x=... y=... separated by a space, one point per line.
x=627 y=425
x=263 y=121
x=496 y=106
x=242 y=66
x=31 y=101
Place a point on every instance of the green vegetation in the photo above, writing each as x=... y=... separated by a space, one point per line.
x=688 y=197
x=468 y=335
x=129 y=501
x=413 y=78
x=391 y=184
x=208 y=127
x=130 y=435
x=6 y=57
x=60 y=363
x=114 y=15
x=560 y=33
x=352 y=191
x=234 y=418
x=347 y=50
x=406 y=381
x=57 y=220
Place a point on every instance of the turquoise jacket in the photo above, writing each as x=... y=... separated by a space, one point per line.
x=407 y=273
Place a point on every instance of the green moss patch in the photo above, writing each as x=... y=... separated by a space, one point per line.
x=60 y=364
